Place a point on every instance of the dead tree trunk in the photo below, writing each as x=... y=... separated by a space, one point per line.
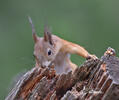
x=93 y=80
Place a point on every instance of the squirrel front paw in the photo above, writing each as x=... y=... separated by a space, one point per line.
x=92 y=57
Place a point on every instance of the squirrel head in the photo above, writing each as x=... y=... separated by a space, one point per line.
x=45 y=48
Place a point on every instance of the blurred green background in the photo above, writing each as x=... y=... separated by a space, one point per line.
x=94 y=24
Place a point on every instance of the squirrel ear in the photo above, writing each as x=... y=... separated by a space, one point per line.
x=48 y=35
x=33 y=30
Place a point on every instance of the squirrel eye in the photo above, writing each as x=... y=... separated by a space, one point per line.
x=49 y=52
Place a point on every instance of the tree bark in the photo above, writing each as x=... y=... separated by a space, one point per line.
x=93 y=80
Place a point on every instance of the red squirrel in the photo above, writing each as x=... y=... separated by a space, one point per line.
x=51 y=49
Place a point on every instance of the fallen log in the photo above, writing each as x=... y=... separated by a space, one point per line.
x=93 y=80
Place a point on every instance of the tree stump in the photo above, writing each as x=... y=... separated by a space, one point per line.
x=93 y=80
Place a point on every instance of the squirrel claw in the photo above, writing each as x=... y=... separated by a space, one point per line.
x=94 y=57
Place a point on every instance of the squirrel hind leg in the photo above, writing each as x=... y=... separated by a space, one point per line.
x=71 y=66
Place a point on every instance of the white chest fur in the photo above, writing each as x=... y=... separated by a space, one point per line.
x=61 y=63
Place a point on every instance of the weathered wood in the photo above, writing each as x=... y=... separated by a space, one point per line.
x=93 y=80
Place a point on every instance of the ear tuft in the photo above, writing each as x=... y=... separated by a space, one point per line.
x=33 y=30
x=47 y=35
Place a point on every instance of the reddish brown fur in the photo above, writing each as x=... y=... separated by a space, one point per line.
x=51 y=49
x=62 y=48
